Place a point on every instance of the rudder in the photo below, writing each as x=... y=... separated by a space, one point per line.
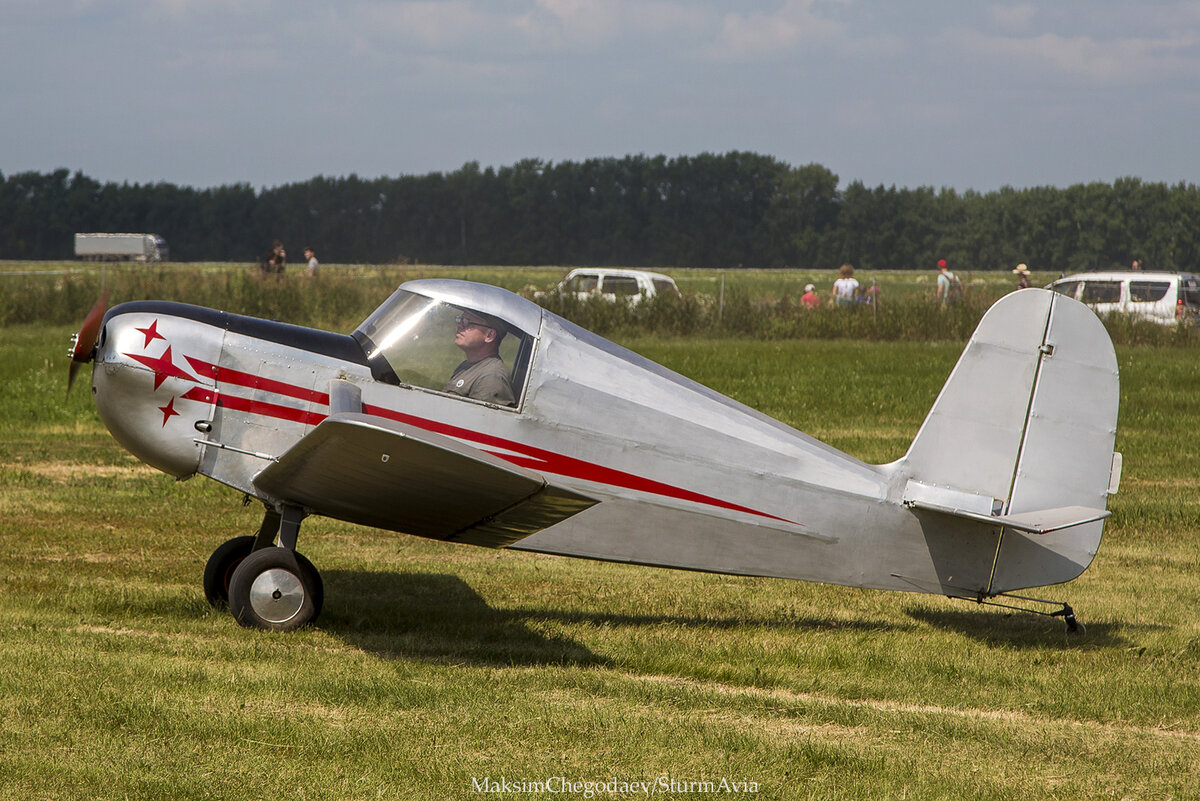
x=1021 y=438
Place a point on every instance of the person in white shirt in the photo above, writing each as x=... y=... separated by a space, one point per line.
x=949 y=288
x=311 y=255
x=845 y=288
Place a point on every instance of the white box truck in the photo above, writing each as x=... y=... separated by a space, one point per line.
x=120 y=247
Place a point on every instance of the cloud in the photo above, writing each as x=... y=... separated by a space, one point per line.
x=751 y=36
x=556 y=24
x=187 y=9
x=530 y=28
x=1012 y=17
x=1121 y=60
x=433 y=25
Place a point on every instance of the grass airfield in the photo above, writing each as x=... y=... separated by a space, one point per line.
x=445 y=671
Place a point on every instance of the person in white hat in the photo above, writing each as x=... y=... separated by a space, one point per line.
x=1022 y=273
x=809 y=298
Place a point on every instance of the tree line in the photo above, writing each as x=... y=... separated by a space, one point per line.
x=726 y=210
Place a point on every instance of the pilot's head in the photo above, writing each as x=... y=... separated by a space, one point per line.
x=478 y=335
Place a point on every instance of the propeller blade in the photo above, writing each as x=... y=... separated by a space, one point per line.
x=85 y=340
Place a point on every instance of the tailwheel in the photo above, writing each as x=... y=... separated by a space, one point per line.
x=218 y=572
x=1073 y=625
x=275 y=589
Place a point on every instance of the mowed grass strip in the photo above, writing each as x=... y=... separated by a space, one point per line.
x=435 y=666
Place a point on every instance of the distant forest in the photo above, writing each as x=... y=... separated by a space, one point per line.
x=713 y=210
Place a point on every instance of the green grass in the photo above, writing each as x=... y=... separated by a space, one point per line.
x=760 y=304
x=436 y=664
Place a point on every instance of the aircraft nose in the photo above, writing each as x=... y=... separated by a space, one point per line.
x=141 y=382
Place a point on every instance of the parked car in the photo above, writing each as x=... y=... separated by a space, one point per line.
x=634 y=286
x=1157 y=296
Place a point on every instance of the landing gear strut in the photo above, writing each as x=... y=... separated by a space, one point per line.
x=266 y=585
x=1066 y=613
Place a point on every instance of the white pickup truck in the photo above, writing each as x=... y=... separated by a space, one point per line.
x=633 y=286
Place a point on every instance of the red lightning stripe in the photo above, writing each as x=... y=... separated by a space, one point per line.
x=514 y=452
x=225 y=375
x=560 y=464
x=250 y=406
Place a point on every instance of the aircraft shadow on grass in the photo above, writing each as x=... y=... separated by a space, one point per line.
x=438 y=617
x=797 y=623
x=1013 y=629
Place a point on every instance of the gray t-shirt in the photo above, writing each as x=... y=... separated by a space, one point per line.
x=485 y=380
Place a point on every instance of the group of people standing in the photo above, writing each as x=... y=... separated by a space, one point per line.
x=847 y=291
x=274 y=261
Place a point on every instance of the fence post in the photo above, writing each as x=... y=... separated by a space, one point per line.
x=721 y=301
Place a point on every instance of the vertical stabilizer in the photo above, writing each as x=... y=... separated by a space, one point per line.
x=1025 y=425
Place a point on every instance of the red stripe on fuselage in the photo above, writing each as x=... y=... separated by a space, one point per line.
x=251 y=406
x=529 y=456
x=226 y=375
x=562 y=465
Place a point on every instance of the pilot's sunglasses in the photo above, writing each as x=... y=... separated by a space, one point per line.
x=462 y=321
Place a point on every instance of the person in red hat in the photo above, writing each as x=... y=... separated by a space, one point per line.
x=949 y=288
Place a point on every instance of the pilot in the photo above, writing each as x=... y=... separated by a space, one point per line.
x=482 y=375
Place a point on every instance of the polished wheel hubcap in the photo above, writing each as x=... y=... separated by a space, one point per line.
x=276 y=595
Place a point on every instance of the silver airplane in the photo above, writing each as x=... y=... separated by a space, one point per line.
x=593 y=451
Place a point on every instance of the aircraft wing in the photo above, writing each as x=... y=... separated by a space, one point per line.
x=389 y=475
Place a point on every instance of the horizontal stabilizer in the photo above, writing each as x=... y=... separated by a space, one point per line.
x=1042 y=521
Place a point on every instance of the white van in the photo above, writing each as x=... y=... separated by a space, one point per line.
x=1160 y=297
x=611 y=283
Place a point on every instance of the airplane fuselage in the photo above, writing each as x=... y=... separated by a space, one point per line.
x=675 y=474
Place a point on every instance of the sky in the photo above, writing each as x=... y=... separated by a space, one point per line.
x=939 y=93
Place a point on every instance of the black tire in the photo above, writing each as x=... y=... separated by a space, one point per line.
x=273 y=590
x=219 y=570
x=315 y=583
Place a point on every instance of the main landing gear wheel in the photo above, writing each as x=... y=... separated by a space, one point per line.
x=275 y=589
x=219 y=570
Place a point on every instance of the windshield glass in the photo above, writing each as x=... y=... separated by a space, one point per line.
x=418 y=341
x=582 y=283
x=664 y=287
x=1067 y=288
x=1189 y=291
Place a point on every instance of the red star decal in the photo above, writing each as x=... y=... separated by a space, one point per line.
x=151 y=333
x=163 y=367
x=168 y=411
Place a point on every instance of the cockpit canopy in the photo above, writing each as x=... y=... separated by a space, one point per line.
x=410 y=339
